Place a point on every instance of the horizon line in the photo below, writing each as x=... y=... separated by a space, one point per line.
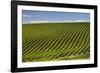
x=75 y=21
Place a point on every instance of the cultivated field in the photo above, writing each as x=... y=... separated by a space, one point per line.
x=55 y=41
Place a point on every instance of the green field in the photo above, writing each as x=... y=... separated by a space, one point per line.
x=55 y=41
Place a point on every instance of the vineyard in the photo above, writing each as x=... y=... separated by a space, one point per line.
x=55 y=41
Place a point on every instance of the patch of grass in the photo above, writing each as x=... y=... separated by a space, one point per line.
x=55 y=41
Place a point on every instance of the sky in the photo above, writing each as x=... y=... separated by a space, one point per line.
x=31 y=16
